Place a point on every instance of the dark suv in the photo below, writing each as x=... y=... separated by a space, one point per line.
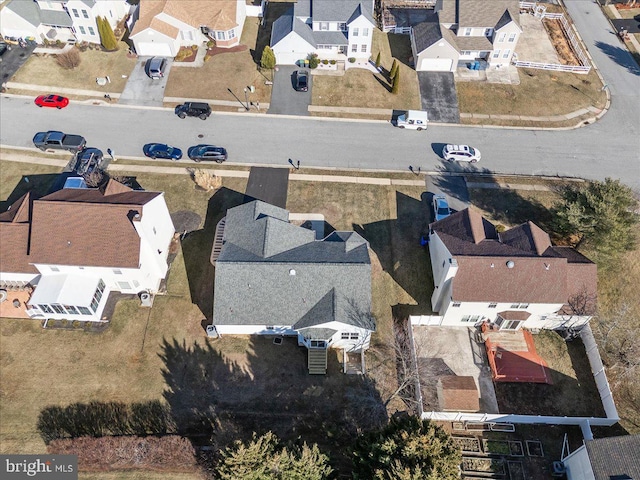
x=154 y=68
x=193 y=109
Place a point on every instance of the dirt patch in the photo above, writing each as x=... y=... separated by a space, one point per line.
x=186 y=54
x=213 y=51
x=560 y=42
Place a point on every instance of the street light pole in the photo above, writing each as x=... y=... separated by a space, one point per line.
x=246 y=99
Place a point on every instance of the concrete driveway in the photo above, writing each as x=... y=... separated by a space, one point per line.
x=439 y=97
x=284 y=99
x=141 y=90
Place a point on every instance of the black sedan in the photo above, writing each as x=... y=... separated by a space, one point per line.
x=161 y=150
x=301 y=80
x=88 y=160
x=198 y=153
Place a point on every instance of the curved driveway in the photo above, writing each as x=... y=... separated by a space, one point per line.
x=610 y=147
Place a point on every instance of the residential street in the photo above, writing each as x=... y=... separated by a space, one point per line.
x=610 y=147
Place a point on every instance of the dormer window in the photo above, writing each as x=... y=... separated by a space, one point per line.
x=324 y=26
x=488 y=32
x=467 y=32
x=342 y=26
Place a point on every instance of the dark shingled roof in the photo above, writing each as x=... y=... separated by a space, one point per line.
x=14 y=237
x=480 y=13
x=539 y=272
x=339 y=10
x=288 y=23
x=615 y=457
x=97 y=229
x=271 y=272
x=426 y=34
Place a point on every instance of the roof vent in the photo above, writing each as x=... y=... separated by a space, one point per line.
x=492 y=265
x=292 y=273
x=546 y=266
x=510 y=264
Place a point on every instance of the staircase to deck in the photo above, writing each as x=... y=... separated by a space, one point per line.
x=317 y=361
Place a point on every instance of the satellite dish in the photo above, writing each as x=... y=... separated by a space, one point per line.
x=510 y=264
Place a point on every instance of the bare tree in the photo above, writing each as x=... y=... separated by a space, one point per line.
x=69 y=59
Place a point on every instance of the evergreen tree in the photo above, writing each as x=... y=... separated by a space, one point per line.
x=268 y=60
x=407 y=449
x=107 y=37
x=394 y=69
x=396 y=82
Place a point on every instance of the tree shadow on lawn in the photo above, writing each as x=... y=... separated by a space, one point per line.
x=274 y=10
x=396 y=243
x=400 y=48
x=225 y=390
x=197 y=245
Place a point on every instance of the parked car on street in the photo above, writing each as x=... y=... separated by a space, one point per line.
x=58 y=141
x=154 y=68
x=461 y=153
x=301 y=80
x=440 y=207
x=162 y=150
x=193 y=109
x=53 y=101
x=88 y=160
x=201 y=152
x=413 y=119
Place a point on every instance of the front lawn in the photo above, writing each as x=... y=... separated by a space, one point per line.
x=42 y=69
x=362 y=88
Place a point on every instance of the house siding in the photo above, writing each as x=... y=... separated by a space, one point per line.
x=291 y=49
x=442 y=49
x=507 y=30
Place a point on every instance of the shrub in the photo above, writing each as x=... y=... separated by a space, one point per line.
x=325 y=62
x=500 y=228
x=211 y=44
x=194 y=48
x=313 y=61
x=147 y=453
x=268 y=60
x=396 y=82
x=206 y=180
x=352 y=60
x=76 y=323
x=332 y=62
x=69 y=59
x=394 y=69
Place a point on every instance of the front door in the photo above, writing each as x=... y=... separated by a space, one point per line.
x=342 y=49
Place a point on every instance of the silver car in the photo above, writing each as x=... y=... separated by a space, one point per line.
x=461 y=153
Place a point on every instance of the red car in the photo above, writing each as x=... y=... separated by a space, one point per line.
x=52 y=101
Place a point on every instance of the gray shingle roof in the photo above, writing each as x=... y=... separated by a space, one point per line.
x=271 y=272
x=339 y=10
x=474 y=43
x=615 y=457
x=28 y=11
x=302 y=8
x=330 y=38
x=318 y=333
x=286 y=24
x=479 y=13
x=55 y=18
x=426 y=34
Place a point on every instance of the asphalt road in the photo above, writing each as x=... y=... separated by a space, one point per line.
x=609 y=147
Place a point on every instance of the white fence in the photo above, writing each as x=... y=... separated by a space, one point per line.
x=597 y=368
x=572 y=37
x=398 y=30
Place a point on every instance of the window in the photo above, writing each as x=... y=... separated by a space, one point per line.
x=493 y=305
x=232 y=34
x=507 y=324
x=363 y=48
x=220 y=35
x=471 y=318
x=54 y=269
x=58 y=308
x=344 y=335
x=82 y=31
x=84 y=311
x=342 y=26
x=512 y=38
x=467 y=32
x=91 y=31
x=488 y=32
x=75 y=12
x=318 y=344
x=354 y=48
x=355 y=31
x=45 y=308
x=365 y=32
x=522 y=306
x=466 y=53
x=455 y=304
x=97 y=296
x=324 y=25
x=270 y=327
x=71 y=309
x=496 y=53
x=124 y=285
x=506 y=53
x=354 y=336
x=85 y=14
x=136 y=283
x=117 y=271
x=502 y=37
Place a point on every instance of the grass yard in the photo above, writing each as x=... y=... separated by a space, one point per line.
x=362 y=88
x=221 y=72
x=573 y=393
x=540 y=93
x=43 y=70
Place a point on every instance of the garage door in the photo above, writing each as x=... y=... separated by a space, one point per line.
x=290 y=58
x=436 y=64
x=153 y=49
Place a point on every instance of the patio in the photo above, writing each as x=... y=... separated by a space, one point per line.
x=445 y=351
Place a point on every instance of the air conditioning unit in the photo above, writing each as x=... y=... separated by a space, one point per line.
x=146 y=299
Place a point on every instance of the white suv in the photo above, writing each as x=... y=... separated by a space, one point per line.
x=461 y=153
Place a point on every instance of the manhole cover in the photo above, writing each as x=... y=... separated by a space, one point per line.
x=200 y=135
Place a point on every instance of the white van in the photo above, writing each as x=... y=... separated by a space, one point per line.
x=415 y=119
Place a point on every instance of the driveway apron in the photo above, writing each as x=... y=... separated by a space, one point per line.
x=438 y=96
x=284 y=98
x=13 y=59
x=142 y=90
